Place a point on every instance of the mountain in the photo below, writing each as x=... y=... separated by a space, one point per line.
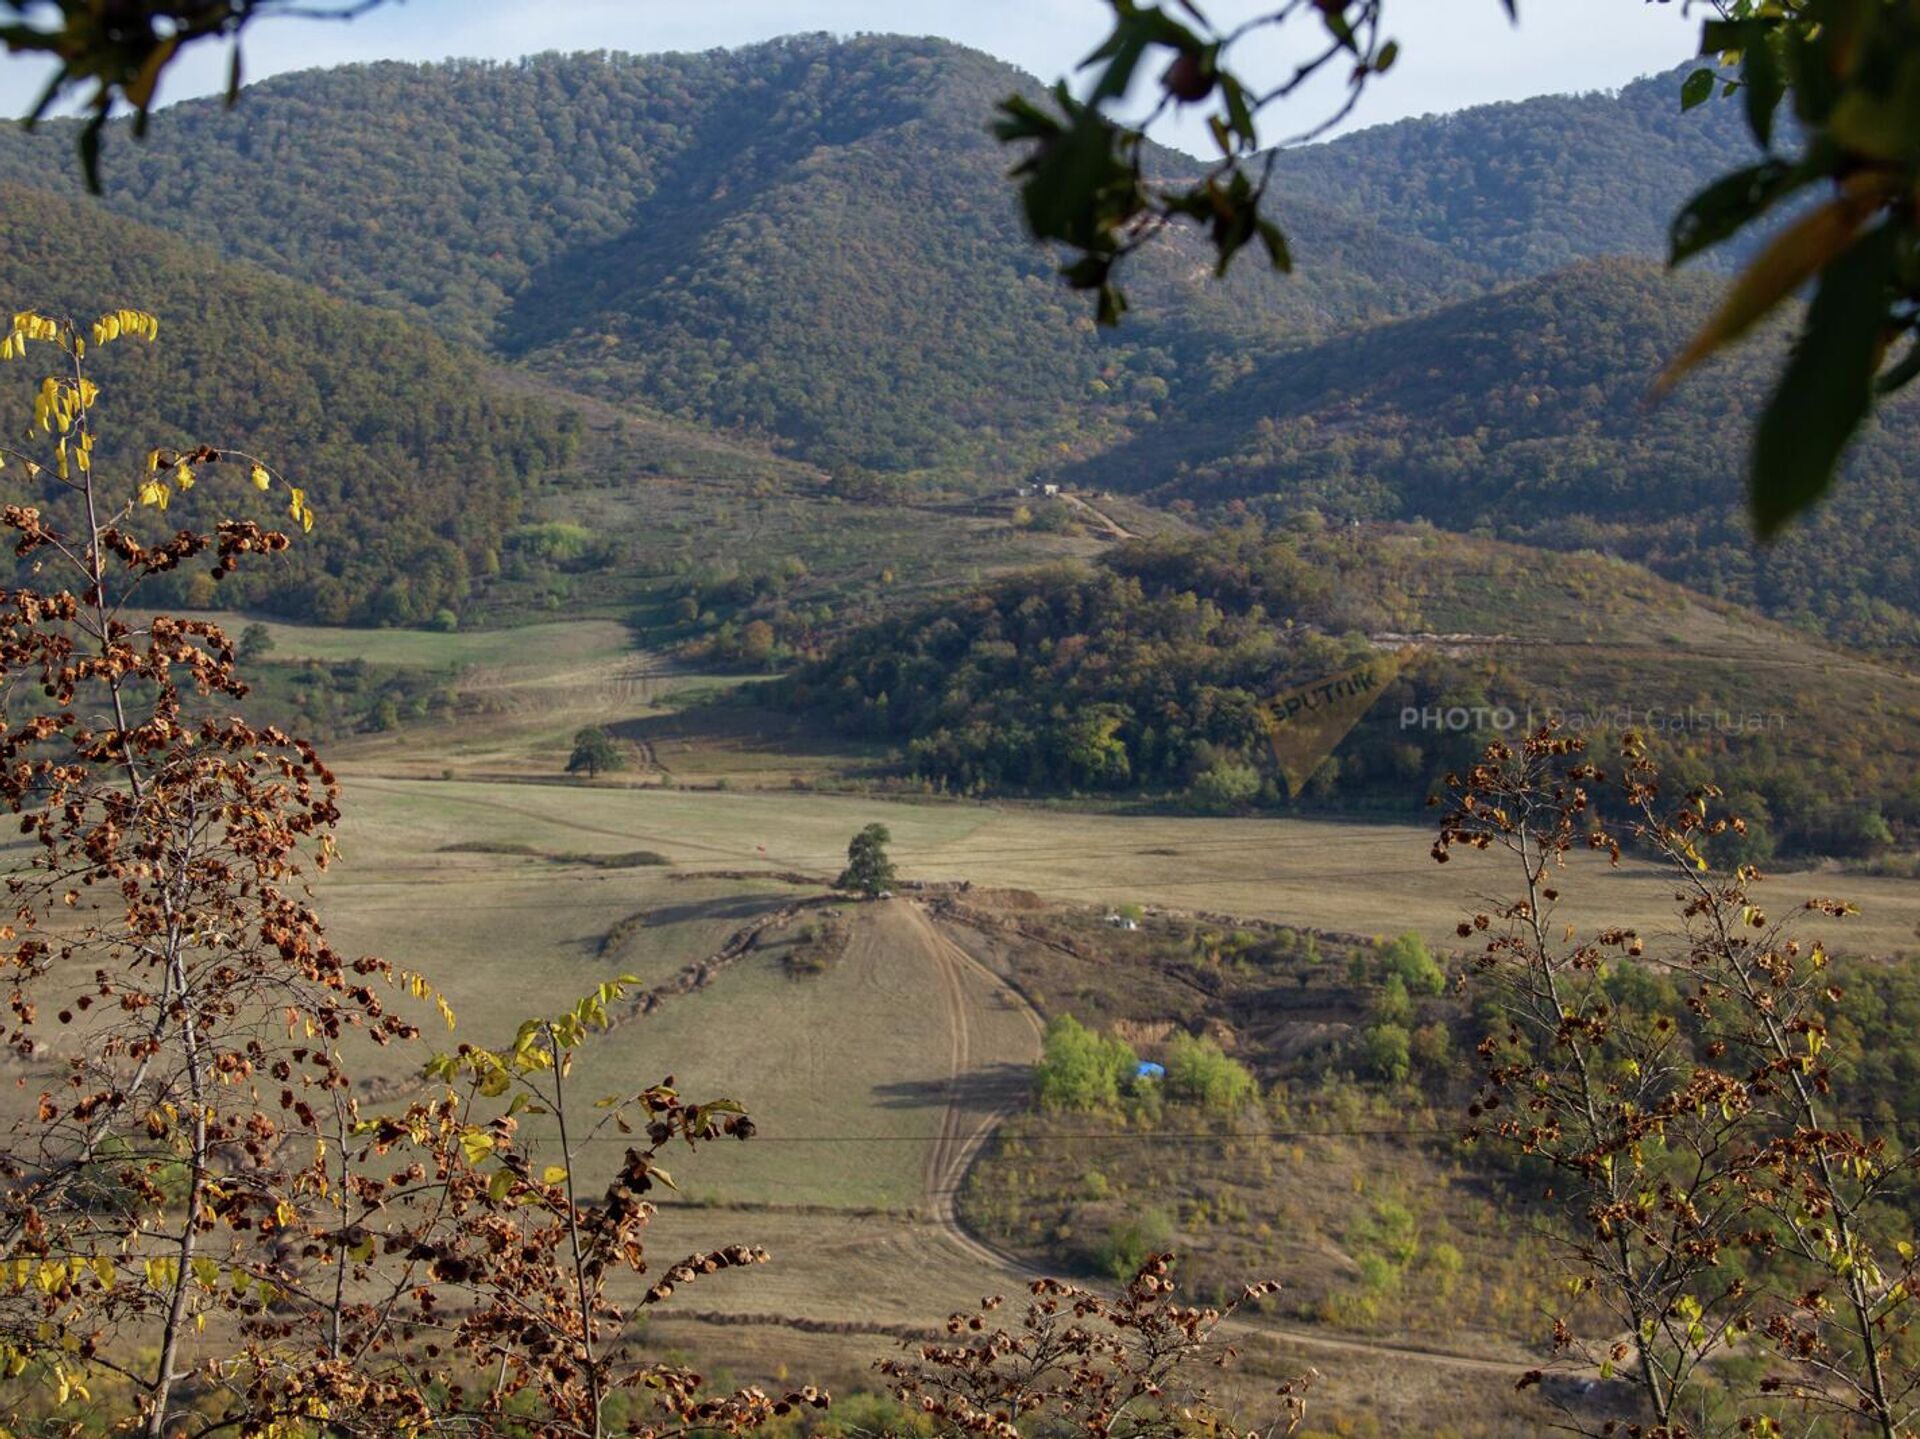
x=1526 y=414
x=813 y=242
x=811 y=239
x=416 y=466
x=1522 y=188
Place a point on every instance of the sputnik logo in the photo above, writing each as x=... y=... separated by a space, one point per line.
x=1306 y=724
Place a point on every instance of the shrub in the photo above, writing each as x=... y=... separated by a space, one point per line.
x=1387 y=1053
x=1080 y=1069
x=1131 y=1242
x=1199 y=1072
x=1408 y=958
x=1393 y=1005
x=1226 y=785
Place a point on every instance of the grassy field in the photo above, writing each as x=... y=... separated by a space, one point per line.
x=860 y=1077
x=1322 y=874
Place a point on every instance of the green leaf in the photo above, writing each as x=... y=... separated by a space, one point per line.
x=1827 y=390
x=1134 y=33
x=1764 y=84
x=1794 y=256
x=1728 y=205
x=1697 y=89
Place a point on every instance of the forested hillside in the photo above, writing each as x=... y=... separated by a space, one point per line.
x=1146 y=674
x=812 y=238
x=1522 y=188
x=1527 y=414
x=416 y=467
x=813 y=241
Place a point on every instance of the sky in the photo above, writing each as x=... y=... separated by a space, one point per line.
x=1454 y=53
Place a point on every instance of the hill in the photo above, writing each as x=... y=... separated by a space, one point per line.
x=811 y=239
x=812 y=243
x=1522 y=188
x=1525 y=414
x=1147 y=673
x=417 y=468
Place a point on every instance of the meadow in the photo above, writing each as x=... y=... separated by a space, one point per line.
x=467 y=855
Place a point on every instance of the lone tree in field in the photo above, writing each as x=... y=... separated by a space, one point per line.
x=868 y=870
x=593 y=751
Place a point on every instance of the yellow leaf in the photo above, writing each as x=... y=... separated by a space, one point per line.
x=258 y=474
x=476 y=1144
x=553 y=1174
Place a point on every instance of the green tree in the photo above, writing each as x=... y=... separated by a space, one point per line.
x=1386 y=1050
x=1200 y=1072
x=1080 y=1069
x=256 y=643
x=593 y=751
x=1393 y=1005
x=1226 y=784
x=1407 y=959
x=869 y=868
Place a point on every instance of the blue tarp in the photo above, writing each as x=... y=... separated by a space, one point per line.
x=1150 y=1070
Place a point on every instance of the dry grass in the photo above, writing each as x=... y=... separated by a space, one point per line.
x=1321 y=874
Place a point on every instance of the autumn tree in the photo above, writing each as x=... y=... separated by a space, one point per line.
x=1139 y=1365
x=1719 y=1196
x=201 y=1229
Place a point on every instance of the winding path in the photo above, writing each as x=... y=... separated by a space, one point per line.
x=965 y=1129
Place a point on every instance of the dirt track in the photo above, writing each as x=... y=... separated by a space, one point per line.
x=965 y=1132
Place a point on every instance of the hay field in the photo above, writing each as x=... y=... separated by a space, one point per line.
x=1327 y=874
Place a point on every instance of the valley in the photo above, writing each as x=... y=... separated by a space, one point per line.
x=705 y=467
x=890 y=1088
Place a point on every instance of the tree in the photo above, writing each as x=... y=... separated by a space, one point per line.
x=869 y=870
x=1719 y=1198
x=1079 y=1363
x=1080 y=1069
x=1407 y=959
x=198 y=1159
x=1199 y=1072
x=594 y=750
x=1387 y=1049
x=1226 y=784
x=256 y=643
